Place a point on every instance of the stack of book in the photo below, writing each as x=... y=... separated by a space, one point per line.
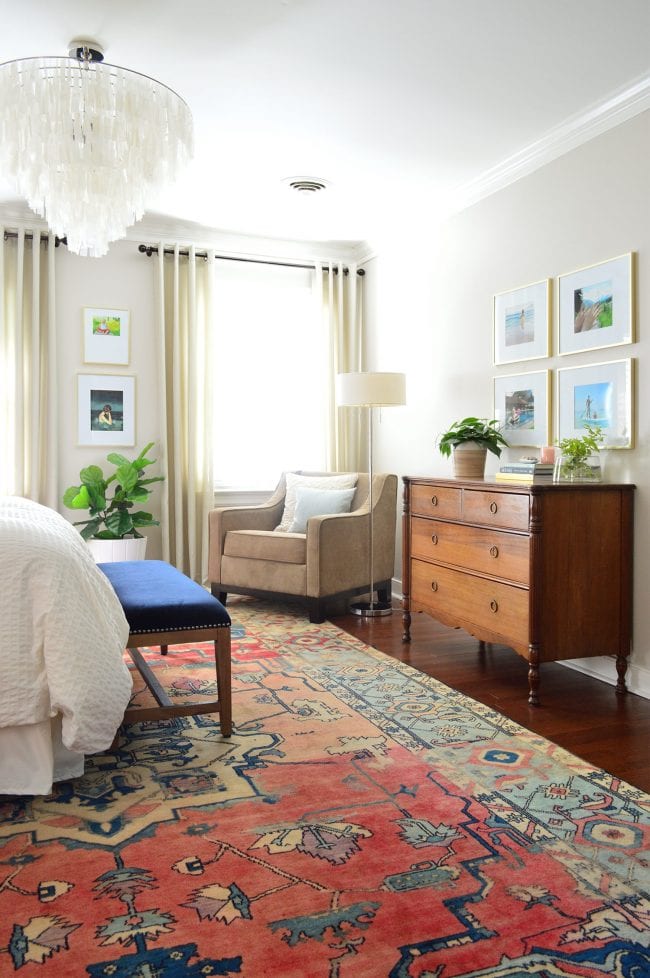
x=525 y=470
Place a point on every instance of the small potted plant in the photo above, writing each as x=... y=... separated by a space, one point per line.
x=579 y=458
x=113 y=527
x=471 y=439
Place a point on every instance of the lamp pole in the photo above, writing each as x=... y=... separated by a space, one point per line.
x=371 y=390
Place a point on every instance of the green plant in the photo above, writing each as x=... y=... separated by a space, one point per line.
x=485 y=433
x=575 y=452
x=114 y=512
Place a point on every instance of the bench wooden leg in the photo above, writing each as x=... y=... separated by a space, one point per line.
x=224 y=687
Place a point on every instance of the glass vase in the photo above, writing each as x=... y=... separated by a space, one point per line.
x=569 y=469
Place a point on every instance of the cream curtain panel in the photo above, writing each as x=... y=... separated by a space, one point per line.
x=185 y=302
x=341 y=299
x=28 y=389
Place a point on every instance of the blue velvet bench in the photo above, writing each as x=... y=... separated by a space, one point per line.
x=164 y=607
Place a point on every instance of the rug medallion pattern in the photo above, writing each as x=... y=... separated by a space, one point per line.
x=363 y=821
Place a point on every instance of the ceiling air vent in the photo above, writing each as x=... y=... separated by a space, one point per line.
x=306 y=185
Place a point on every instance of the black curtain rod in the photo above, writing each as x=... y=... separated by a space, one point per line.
x=150 y=250
x=43 y=234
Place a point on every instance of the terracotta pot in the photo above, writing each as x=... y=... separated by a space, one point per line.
x=109 y=551
x=469 y=460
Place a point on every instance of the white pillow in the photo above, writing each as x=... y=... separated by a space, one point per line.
x=319 y=502
x=293 y=480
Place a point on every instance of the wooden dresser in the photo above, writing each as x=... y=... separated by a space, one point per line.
x=545 y=569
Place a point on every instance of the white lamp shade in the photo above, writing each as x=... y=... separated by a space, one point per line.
x=370 y=389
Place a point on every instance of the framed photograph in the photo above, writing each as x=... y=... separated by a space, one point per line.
x=105 y=410
x=106 y=335
x=599 y=395
x=522 y=323
x=596 y=306
x=522 y=404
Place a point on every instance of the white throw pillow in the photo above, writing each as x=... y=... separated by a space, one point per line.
x=348 y=481
x=319 y=502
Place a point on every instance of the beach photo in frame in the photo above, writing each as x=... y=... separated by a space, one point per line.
x=105 y=410
x=522 y=323
x=596 y=306
x=106 y=335
x=522 y=405
x=600 y=395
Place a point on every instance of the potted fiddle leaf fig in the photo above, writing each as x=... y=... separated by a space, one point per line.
x=112 y=529
x=469 y=440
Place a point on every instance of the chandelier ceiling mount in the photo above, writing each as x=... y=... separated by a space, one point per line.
x=85 y=50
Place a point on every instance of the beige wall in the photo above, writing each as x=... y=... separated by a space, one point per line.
x=429 y=310
x=123 y=279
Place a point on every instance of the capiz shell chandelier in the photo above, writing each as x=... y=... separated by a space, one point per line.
x=87 y=143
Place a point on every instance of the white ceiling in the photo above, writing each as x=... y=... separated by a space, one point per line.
x=397 y=104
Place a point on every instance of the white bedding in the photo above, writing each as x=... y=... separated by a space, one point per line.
x=62 y=635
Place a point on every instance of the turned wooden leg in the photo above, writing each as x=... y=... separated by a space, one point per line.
x=533 y=677
x=406 y=626
x=621 y=669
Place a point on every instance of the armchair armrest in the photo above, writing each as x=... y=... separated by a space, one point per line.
x=338 y=546
x=265 y=516
x=338 y=552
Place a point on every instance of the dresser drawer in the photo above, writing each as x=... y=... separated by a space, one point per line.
x=471 y=601
x=506 y=509
x=503 y=555
x=442 y=501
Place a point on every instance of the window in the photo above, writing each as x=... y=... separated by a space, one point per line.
x=270 y=375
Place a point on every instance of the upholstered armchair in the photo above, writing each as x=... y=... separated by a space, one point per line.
x=331 y=559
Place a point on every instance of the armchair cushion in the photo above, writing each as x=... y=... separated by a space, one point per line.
x=293 y=480
x=287 y=548
x=319 y=502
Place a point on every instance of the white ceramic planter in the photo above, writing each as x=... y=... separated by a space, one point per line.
x=109 y=551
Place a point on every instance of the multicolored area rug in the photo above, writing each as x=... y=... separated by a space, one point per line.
x=363 y=821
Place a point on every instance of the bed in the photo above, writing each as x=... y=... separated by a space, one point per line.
x=64 y=685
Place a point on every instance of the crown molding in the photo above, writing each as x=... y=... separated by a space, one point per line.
x=573 y=132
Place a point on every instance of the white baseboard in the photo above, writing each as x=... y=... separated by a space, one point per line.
x=637 y=678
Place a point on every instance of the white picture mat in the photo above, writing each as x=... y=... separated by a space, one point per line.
x=106 y=348
x=616 y=273
x=522 y=338
x=117 y=391
x=611 y=383
x=535 y=388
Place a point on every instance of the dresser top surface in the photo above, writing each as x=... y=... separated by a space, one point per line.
x=517 y=487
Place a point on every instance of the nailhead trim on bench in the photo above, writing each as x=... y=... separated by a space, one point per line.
x=177 y=628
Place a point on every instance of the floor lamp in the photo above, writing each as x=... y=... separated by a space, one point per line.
x=371 y=390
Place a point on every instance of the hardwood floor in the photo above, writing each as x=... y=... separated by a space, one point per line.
x=582 y=714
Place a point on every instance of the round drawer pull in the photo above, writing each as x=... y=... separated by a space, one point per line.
x=434 y=500
x=434 y=538
x=493 y=507
x=494 y=606
x=494 y=551
x=434 y=585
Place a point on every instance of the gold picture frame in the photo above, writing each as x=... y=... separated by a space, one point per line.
x=596 y=306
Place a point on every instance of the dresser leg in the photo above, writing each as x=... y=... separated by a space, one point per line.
x=406 y=624
x=621 y=669
x=533 y=677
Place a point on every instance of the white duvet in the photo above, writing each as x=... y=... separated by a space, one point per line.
x=62 y=631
